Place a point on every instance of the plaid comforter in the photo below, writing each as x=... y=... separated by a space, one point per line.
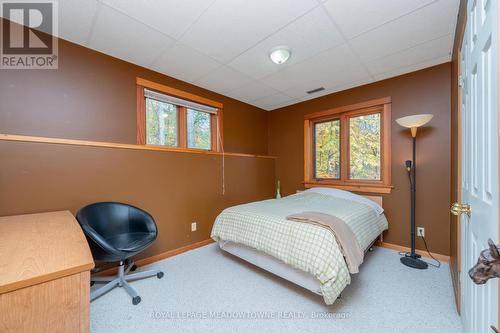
x=263 y=226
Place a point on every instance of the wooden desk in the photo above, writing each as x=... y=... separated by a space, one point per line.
x=45 y=267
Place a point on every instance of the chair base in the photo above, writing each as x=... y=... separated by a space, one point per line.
x=122 y=280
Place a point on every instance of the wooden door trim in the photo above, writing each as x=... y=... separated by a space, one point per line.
x=456 y=219
x=456 y=278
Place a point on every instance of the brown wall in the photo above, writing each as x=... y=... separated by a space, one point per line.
x=425 y=91
x=93 y=96
x=175 y=188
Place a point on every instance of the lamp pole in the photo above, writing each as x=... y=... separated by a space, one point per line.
x=413 y=189
x=412 y=259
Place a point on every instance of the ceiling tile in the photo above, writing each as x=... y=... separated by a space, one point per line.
x=184 y=63
x=341 y=87
x=305 y=37
x=252 y=91
x=230 y=27
x=309 y=72
x=281 y=105
x=120 y=36
x=430 y=22
x=274 y=101
x=223 y=79
x=348 y=84
x=171 y=17
x=331 y=81
x=355 y=17
x=418 y=54
x=75 y=19
x=413 y=68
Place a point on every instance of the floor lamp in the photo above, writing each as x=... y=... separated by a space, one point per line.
x=413 y=123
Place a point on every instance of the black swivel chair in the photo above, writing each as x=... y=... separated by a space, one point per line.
x=116 y=232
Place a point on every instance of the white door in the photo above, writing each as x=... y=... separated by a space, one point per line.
x=479 y=159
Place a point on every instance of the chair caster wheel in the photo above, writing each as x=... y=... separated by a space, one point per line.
x=159 y=275
x=92 y=283
x=136 y=300
x=133 y=268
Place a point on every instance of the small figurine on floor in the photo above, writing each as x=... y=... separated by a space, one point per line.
x=488 y=265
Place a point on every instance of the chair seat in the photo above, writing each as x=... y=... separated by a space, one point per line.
x=116 y=231
x=131 y=241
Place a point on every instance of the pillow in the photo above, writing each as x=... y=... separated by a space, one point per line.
x=335 y=192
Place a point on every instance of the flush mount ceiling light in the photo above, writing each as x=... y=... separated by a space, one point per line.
x=280 y=54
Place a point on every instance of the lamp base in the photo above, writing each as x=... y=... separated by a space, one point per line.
x=414 y=262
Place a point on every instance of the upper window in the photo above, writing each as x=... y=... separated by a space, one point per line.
x=166 y=119
x=365 y=147
x=198 y=129
x=161 y=123
x=349 y=147
x=327 y=149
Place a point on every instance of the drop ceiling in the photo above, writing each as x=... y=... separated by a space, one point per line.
x=223 y=45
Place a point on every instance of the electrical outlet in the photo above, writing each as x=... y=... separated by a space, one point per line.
x=420 y=232
x=193 y=226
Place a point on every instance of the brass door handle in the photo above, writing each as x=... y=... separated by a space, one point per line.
x=458 y=209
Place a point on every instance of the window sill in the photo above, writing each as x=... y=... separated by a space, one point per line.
x=363 y=188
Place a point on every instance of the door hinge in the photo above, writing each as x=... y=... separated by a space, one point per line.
x=461 y=81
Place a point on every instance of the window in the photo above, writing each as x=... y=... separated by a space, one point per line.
x=365 y=147
x=176 y=119
x=327 y=149
x=349 y=147
x=161 y=123
x=198 y=129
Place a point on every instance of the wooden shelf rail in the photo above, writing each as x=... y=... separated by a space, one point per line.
x=73 y=142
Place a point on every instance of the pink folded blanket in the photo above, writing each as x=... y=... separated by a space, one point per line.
x=349 y=246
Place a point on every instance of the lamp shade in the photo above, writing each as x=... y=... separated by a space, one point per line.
x=414 y=121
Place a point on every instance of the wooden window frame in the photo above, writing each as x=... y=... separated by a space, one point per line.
x=216 y=120
x=344 y=113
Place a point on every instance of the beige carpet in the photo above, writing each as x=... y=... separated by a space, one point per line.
x=206 y=290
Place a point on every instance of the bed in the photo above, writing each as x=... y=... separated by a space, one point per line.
x=305 y=254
